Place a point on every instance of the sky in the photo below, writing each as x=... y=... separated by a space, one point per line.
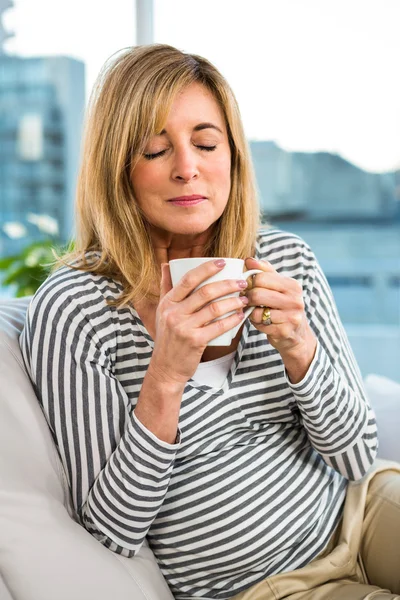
x=311 y=75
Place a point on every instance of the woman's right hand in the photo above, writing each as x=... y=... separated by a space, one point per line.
x=183 y=320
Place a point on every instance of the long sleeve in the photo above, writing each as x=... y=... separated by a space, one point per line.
x=332 y=403
x=118 y=470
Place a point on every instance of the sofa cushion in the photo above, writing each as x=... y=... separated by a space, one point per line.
x=384 y=395
x=44 y=553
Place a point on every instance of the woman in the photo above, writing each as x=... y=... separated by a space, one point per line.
x=238 y=477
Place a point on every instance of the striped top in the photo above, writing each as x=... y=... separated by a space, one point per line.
x=256 y=482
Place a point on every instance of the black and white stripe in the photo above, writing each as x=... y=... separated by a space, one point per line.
x=256 y=484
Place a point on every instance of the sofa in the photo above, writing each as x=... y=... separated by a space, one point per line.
x=44 y=553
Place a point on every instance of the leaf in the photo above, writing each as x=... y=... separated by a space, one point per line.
x=24 y=275
x=25 y=291
x=7 y=262
x=28 y=270
x=43 y=244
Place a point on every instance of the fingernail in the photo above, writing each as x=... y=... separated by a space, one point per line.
x=242 y=283
x=244 y=299
x=220 y=262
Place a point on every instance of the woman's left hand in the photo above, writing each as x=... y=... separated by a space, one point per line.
x=289 y=332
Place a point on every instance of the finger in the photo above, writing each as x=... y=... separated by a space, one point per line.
x=275 y=281
x=193 y=278
x=211 y=292
x=271 y=278
x=264 y=265
x=252 y=263
x=261 y=296
x=216 y=328
x=166 y=281
x=278 y=317
x=217 y=309
x=283 y=324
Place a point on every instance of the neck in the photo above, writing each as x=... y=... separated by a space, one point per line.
x=168 y=246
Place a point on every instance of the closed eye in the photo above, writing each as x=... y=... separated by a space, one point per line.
x=151 y=156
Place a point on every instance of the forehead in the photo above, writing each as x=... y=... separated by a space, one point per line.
x=192 y=105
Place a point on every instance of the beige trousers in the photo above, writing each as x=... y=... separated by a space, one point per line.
x=362 y=560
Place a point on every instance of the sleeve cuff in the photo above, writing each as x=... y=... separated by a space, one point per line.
x=153 y=438
x=306 y=386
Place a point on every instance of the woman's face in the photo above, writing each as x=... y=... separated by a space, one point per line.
x=190 y=157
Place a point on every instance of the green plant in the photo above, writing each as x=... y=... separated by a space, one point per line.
x=29 y=269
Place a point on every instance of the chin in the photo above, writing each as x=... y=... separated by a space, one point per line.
x=188 y=226
x=192 y=229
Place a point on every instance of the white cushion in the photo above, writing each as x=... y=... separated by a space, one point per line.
x=384 y=395
x=44 y=553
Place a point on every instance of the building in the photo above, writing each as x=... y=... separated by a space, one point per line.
x=281 y=182
x=41 y=112
x=351 y=220
x=320 y=186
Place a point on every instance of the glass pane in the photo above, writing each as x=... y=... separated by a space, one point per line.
x=319 y=100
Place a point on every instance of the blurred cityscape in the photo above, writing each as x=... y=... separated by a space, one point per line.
x=351 y=220
x=41 y=110
x=350 y=217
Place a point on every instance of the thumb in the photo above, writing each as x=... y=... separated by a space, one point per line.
x=166 y=281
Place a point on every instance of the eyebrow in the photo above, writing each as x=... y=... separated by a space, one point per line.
x=198 y=127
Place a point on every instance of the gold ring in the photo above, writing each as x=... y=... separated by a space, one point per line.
x=266 y=316
x=250 y=283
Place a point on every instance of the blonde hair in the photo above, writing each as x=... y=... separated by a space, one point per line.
x=128 y=105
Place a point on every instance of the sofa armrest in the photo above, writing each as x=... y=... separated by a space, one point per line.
x=384 y=395
x=4 y=592
x=44 y=553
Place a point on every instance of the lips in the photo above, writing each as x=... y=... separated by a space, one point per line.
x=187 y=198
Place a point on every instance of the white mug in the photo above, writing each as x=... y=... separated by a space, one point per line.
x=233 y=269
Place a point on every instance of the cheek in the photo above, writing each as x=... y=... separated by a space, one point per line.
x=145 y=180
x=222 y=173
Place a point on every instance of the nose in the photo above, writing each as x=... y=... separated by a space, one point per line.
x=185 y=167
